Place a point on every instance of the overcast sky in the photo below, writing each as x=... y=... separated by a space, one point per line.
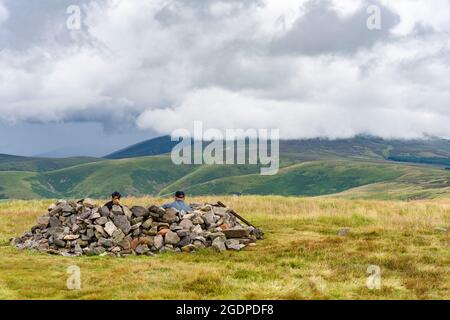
x=141 y=68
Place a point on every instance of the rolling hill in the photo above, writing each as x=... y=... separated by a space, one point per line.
x=361 y=167
x=18 y=163
x=428 y=151
x=152 y=147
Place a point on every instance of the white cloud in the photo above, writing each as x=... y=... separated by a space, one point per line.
x=433 y=13
x=163 y=64
x=4 y=14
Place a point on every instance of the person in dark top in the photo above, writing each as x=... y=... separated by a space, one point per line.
x=115 y=200
x=179 y=203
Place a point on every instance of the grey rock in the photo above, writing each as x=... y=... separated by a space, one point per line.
x=156 y=212
x=153 y=231
x=125 y=244
x=197 y=229
x=116 y=250
x=233 y=244
x=60 y=243
x=90 y=233
x=139 y=211
x=184 y=241
x=84 y=214
x=186 y=224
x=222 y=212
x=95 y=215
x=75 y=227
x=117 y=210
x=170 y=216
x=218 y=244
x=236 y=233
x=54 y=222
x=158 y=242
x=209 y=218
x=110 y=228
x=136 y=226
x=101 y=221
x=137 y=220
x=82 y=243
x=55 y=232
x=100 y=230
x=105 y=242
x=89 y=203
x=71 y=237
x=99 y=250
x=117 y=236
x=67 y=210
x=43 y=221
x=198 y=244
x=142 y=249
x=183 y=233
x=171 y=238
x=215 y=235
x=104 y=211
x=127 y=212
x=78 y=250
x=197 y=220
x=188 y=248
x=122 y=223
x=147 y=223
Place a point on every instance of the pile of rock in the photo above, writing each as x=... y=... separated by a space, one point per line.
x=74 y=228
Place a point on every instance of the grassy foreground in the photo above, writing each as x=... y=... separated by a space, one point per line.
x=301 y=258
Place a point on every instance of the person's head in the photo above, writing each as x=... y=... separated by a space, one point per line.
x=179 y=195
x=116 y=197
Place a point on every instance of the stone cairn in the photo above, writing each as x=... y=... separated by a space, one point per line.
x=75 y=228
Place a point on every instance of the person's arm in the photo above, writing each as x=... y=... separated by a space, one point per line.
x=166 y=205
x=187 y=207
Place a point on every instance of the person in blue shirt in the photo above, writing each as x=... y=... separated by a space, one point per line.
x=179 y=203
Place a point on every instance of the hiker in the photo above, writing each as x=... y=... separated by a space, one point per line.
x=179 y=203
x=115 y=200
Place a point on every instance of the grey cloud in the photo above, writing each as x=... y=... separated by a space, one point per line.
x=322 y=31
x=33 y=22
x=149 y=61
x=177 y=11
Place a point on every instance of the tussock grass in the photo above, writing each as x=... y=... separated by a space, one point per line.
x=301 y=258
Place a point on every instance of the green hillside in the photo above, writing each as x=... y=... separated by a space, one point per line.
x=17 y=163
x=140 y=176
x=431 y=150
x=18 y=185
x=158 y=176
x=351 y=168
x=152 y=147
x=330 y=177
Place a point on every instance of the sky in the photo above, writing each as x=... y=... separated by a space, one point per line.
x=136 y=69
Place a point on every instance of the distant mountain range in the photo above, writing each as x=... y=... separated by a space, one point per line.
x=362 y=167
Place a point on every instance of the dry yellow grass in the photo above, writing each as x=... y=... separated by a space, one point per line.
x=301 y=258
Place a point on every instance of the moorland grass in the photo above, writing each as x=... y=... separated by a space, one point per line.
x=302 y=256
